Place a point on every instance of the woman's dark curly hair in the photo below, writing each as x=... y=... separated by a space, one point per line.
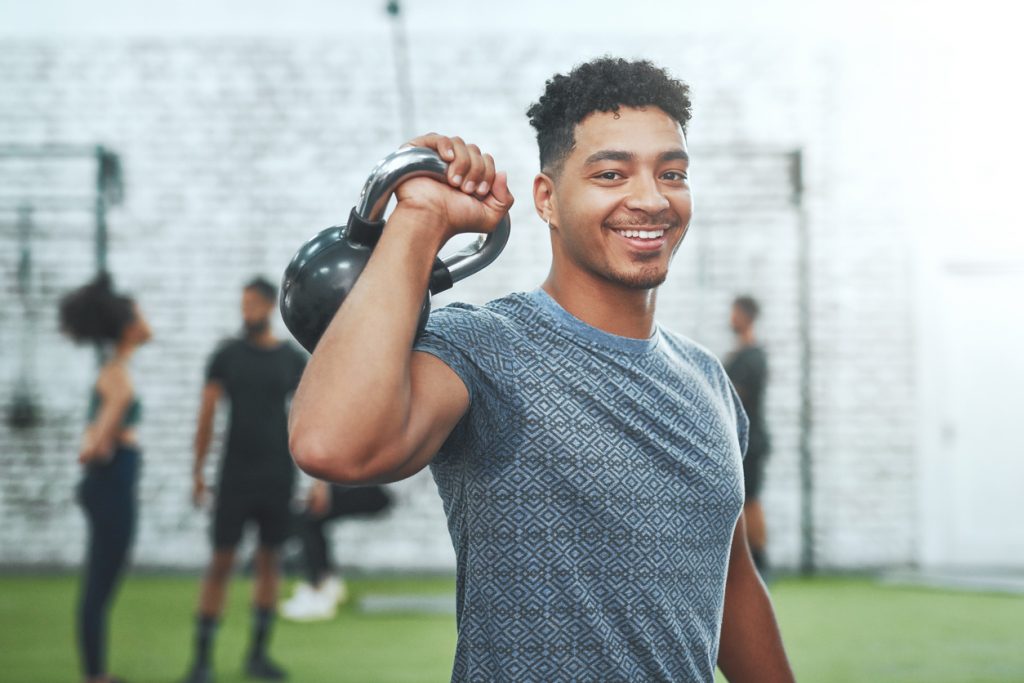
x=95 y=312
x=604 y=84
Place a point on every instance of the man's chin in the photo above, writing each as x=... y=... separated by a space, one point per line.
x=646 y=278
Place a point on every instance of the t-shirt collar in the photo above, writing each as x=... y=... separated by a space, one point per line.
x=576 y=327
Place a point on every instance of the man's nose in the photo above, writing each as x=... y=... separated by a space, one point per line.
x=646 y=195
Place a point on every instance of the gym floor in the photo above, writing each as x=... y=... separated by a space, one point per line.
x=836 y=629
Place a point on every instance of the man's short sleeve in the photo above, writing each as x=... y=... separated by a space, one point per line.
x=468 y=340
x=216 y=367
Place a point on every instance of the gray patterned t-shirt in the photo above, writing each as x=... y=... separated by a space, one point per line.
x=591 y=491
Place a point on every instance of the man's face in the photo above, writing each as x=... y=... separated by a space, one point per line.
x=622 y=203
x=255 y=311
x=739 y=321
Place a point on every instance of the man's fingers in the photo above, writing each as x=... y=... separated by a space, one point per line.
x=488 y=177
x=500 y=198
x=460 y=163
x=475 y=174
x=441 y=144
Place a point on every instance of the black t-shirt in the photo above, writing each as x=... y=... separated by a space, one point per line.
x=258 y=382
x=747 y=367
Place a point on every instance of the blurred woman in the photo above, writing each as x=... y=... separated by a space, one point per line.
x=109 y=454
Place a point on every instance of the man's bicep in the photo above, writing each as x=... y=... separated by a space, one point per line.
x=439 y=400
x=212 y=392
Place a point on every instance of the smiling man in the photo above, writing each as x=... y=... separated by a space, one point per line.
x=589 y=460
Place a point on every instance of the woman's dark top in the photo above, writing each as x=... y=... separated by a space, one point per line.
x=132 y=416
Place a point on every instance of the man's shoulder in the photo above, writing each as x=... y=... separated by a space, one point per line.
x=292 y=350
x=693 y=353
x=226 y=346
x=686 y=345
x=497 y=315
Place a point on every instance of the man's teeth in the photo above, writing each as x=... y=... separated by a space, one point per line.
x=642 y=234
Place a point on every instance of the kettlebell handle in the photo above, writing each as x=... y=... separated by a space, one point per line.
x=415 y=162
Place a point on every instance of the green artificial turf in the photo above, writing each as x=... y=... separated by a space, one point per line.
x=836 y=630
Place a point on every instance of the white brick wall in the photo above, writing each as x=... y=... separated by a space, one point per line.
x=237 y=150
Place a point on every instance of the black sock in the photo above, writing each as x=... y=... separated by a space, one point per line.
x=262 y=619
x=206 y=627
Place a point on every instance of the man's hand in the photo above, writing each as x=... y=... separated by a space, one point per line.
x=198 y=489
x=318 y=501
x=475 y=198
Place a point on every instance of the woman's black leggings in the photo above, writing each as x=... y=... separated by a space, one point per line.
x=107 y=495
x=345 y=502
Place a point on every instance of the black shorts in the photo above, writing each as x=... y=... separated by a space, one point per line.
x=241 y=502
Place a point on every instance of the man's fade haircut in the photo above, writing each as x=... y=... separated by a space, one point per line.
x=601 y=85
x=262 y=286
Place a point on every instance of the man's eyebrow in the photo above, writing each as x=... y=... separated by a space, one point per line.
x=619 y=155
x=674 y=155
x=609 y=155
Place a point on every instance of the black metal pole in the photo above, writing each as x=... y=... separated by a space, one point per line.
x=400 y=45
x=807 y=555
x=101 y=210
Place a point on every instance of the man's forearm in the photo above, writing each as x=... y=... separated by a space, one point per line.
x=751 y=648
x=201 y=446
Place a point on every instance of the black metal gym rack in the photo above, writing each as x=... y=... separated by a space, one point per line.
x=108 y=191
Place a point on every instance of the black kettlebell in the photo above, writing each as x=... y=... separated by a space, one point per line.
x=324 y=270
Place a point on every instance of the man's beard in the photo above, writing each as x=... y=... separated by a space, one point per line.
x=648 y=277
x=255 y=328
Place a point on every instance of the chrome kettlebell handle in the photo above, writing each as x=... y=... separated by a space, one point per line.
x=414 y=162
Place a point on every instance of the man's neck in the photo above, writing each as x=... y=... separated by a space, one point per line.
x=264 y=340
x=605 y=305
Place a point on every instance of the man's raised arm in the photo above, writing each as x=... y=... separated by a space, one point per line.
x=367 y=408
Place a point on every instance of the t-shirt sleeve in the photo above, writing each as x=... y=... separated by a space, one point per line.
x=216 y=367
x=468 y=340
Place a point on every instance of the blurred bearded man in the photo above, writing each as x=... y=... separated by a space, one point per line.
x=257 y=374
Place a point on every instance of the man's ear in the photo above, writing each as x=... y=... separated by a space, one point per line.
x=544 y=198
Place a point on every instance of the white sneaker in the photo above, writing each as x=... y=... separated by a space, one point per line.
x=308 y=605
x=302 y=588
x=333 y=589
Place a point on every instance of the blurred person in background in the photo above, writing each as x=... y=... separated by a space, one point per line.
x=109 y=454
x=747 y=367
x=589 y=460
x=257 y=373
x=318 y=597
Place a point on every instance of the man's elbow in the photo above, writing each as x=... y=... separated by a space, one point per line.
x=339 y=464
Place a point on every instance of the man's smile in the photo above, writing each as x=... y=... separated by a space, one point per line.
x=647 y=237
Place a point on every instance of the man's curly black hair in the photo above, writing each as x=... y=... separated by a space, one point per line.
x=603 y=85
x=95 y=312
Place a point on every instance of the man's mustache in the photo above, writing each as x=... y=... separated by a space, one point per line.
x=669 y=218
